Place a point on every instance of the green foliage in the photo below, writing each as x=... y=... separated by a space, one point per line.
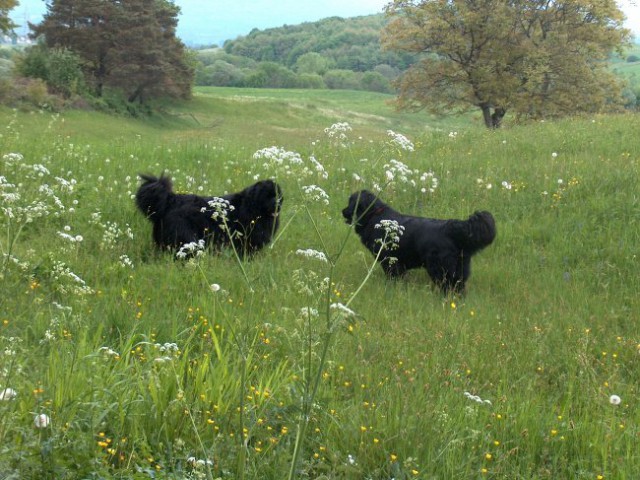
x=532 y=58
x=146 y=371
x=220 y=73
x=147 y=61
x=64 y=72
x=6 y=24
x=342 y=80
x=346 y=43
x=33 y=62
x=59 y=68
x=376 y=82
x=6 y=68
x=329 y=48
x=313 y=63
x=271 y=75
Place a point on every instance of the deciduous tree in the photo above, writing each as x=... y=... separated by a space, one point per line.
x=537 y=58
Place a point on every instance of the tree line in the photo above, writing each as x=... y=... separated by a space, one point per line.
x=533 y=59
x=333 y=53
x=105 y=50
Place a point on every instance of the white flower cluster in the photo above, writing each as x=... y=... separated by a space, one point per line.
x=112 y=233
x=319 y=168
x=393 y=231
x=108 y=352
x=278 y=161
x=277 y=156
x=126 y=262
x=69 y=282
x=68 y=237
x=12 y=158
x=168 y=352
x=342 y=310
x=307 y=312
x=338 y=133
x=198 y=462
x=8 y=394
x=191 y=249
x=476 y=398
x=309 y=283
x=310 y=253
x=315 y=193
x=221 y=208
x=41 y=421
x=400 y=141
x=35 y=199
x=398 y=172
x=65 y=185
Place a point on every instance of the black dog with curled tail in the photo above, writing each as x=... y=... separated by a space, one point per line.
x=443 y=247
x=246 y=220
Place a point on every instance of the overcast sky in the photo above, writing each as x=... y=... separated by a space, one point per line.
x=204 y=22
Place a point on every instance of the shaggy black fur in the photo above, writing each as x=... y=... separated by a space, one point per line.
x=179 y=219
x=443 y=247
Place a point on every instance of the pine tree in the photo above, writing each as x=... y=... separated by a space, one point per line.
x=130 y=46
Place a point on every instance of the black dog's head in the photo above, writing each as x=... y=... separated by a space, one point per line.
x=265 y=196
x=362 y=205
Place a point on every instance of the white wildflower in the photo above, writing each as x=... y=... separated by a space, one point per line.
x=316 y=194
x=191 y=249
x=400 y=141
x=8 y=394
x=338 y=131
x=310 y=253
x=221 y=208
x=476 y=398
x=41 y=421
x=615 y=400
x=342 y=309
x=125 y=261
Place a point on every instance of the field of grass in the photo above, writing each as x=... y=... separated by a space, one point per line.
x=117 y=361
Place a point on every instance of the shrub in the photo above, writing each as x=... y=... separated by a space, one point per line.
x=375 y=82
x=342 y=80
x=64 y=74
x=310 y=80
x=58 y=67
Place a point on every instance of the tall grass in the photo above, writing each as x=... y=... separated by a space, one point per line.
x=317 y=366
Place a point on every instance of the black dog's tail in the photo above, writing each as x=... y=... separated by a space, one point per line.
x=473 y=234
x=152 y=198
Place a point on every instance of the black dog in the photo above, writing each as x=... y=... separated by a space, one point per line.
x=443 y=247
x=246 y=220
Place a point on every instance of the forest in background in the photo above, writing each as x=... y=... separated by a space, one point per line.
x=333 y=53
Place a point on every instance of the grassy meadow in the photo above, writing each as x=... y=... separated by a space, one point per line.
x=117 y=361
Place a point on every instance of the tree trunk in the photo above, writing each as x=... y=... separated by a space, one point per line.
x=492 y=120
x=137 y=94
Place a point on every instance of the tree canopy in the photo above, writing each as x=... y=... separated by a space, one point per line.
x=351 y=44
x=130 y=46
x=537 y=58
x=5 y=22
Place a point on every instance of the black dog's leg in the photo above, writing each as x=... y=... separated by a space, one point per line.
x=456 y=273
x=447 y=274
